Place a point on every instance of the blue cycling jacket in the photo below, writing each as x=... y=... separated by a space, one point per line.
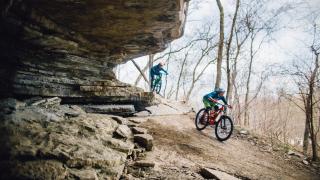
x=156 y=70
x=215 y=95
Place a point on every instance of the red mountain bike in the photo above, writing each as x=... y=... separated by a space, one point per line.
x=223 y=126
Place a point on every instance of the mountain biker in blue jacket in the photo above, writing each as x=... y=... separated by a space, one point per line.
x=157 y=70
x=210 y=100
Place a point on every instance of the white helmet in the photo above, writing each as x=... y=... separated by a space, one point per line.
x=162 y=63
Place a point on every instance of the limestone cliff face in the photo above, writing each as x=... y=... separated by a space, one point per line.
x=68 y=48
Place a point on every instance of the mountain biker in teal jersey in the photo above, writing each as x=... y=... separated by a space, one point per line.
x=210 y=100
x=157 y=70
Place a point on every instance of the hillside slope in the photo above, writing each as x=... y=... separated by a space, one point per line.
x=180 y=152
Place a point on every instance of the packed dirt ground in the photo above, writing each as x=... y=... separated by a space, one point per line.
x=180 y=152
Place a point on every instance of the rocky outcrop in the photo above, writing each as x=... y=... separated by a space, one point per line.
x=46 y=140
x=69 y=48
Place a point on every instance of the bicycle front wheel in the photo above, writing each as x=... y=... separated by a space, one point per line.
x=224 y=128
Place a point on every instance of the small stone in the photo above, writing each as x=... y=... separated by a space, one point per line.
x=244 y=132
x=72 y=114
x=305 y=162
x=124 y=131
x=290 y=152
x=144 y=163
x=144 y=140
x=293 y=153
x=78 y=109
x=138 y=130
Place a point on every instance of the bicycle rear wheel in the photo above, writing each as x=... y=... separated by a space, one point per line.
x=202 y=119
x=158 y=87
x=224 y=128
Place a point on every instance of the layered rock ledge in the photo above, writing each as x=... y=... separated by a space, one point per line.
x=45 y=140
x=69 y=48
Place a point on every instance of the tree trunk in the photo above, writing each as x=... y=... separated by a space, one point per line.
x=311 y=96
x=229 y=87
x=220 y=47
x=166 y=79
x=141 y=72
x=140 y=76
x=180 y=74
x=150 y=64
x=246 y=100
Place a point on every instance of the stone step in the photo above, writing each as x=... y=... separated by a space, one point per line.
x=123 y=110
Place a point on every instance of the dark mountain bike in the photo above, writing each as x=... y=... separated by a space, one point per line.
x=223 y=126
x=156 y=84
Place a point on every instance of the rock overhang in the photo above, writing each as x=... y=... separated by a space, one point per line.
x=69 y=48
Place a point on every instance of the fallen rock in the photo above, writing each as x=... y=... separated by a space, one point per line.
x=215 y=174
x=123 y=146
x=137 y=121
x=138 y=130
x=293 y=153
x=144 y=140
x=124 y=131
x=85 y=174
x=120 y=120
x=70 y=112
x=144 y=163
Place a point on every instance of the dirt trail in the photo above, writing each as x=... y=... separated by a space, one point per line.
x=180 y=150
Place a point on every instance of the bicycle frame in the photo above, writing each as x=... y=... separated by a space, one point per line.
x=214 y=114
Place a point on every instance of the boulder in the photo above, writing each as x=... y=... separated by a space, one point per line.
x=124 y=131
x=215 y=174
x=144 y=140
x=139 y=130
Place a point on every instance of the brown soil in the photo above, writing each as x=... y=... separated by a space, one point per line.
x=180 y=151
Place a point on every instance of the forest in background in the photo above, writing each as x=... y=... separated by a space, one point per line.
x=264 y=53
